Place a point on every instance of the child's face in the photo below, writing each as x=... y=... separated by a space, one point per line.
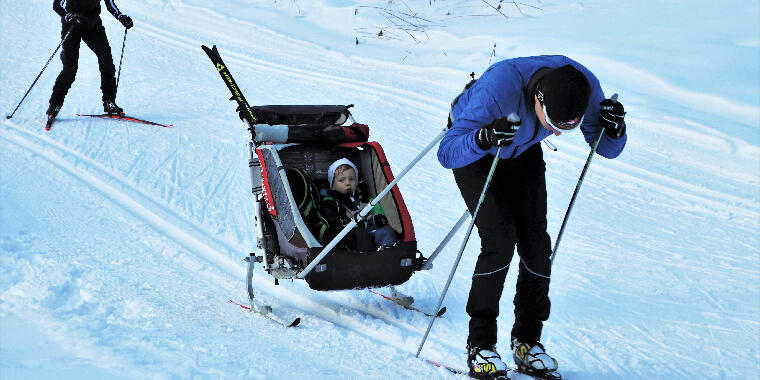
x=345 y=182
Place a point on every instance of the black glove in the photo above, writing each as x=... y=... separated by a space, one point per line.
x=499 y=133
x=611 y=117
x=125 y=20
x=72 y=18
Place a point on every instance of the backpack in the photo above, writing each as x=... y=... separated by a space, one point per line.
x=306 y=195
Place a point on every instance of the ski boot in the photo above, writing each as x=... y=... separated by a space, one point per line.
x=111 y=108
x=485 y=363
x=533 y=360
x=51 y=113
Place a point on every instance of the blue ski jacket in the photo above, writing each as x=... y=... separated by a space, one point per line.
x=503 y=89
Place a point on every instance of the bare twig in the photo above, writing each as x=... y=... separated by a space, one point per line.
x=497 y=9
x=399 y=26
x=401 y=17
x=531 y=6
x=415 y=16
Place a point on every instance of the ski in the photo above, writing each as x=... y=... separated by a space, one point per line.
x=458 y=371
x=244 y=109
x=127 y=118
x=406 y=303
x=49 y=122
x=266 y=311
x=453 y=370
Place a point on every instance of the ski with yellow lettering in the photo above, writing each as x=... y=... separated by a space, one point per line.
x=244 y=109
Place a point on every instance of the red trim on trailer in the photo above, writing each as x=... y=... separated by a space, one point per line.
x=265 y=180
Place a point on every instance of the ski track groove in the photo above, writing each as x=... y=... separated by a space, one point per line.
x=326 y=308
x=434 y=107
x=222 y=187
x=107 y=185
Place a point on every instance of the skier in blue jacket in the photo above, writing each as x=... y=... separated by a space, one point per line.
x=551 y=95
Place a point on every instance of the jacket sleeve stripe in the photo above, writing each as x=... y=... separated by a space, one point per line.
x=111 y=5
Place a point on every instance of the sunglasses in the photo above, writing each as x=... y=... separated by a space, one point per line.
x=565 y=125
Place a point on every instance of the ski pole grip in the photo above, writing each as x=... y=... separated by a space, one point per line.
x=614 y=97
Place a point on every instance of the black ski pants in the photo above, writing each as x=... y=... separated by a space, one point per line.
x=94 y=35
x=513 y=213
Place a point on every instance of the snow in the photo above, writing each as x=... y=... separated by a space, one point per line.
x=121 y=244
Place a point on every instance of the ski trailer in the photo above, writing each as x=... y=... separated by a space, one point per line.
x=290 y=150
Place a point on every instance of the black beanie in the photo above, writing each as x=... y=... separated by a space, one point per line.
x=565 y=93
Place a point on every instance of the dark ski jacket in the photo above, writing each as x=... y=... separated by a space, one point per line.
x=503 y=89
x=339 y=209
x=87 y=9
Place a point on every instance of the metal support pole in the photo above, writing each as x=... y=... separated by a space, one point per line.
x=363 y=213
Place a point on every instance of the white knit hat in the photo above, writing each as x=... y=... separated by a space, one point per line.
x=335 y=165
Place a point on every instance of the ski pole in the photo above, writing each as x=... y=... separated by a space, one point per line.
x=43 y=70
x=123 y=43
x=577 y=188
x=512 y=118
x=445 y=241
x=461 y=250
x=363 y=213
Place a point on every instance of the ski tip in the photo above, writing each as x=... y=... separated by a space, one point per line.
x=453 y=370
x=379 y=294
x=441 y=312
x=241 y=305
x=295 y=322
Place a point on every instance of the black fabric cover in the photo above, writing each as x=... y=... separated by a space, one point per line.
x=329 y=134
x=357 y=270
x=302 y=114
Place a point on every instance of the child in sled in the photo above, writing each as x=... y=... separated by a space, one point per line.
x=342 y=202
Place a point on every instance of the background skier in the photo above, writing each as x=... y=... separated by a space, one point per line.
x=551 y=94
x=82 y=17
